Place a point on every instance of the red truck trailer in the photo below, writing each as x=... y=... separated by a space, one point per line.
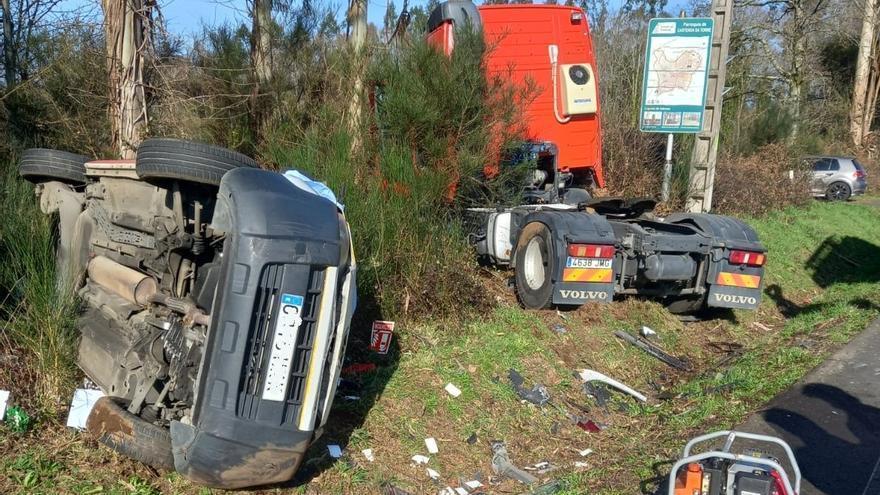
x=567 y=248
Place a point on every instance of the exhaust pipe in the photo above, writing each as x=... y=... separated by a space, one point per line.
x=125 y=282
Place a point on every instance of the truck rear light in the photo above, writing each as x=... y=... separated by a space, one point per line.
x=747 y=258
x=591 y=250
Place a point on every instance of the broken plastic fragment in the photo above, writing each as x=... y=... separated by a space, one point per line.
x=538 y=395
x=590 y=426
x=559 y=328
x=334 y=450
x=502 y=466
x=452 y=389
x=368 y=454
x=420 y=459
x=431 y=444
x=472 y=439
x=460 y=491
x=447 y=491
x=647 y=332
x=590 y=375
x=4 y=399
x=580 y=464
x=585 y=452
x=473 y=484
x=434 y=475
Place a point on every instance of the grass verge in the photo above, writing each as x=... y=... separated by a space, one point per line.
x=821 y=290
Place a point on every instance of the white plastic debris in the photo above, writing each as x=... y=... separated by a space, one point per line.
x=452 y=389
x=81 y=406
x=473 y=484
x=351 y=397
x=590 y=375
x=335 y=450
x=431 y=444
x=434 y=475
x=585 y=452
x=447 y=491
x=460 y=491
x=368 y=454
x=420 y=459
x=647 y=332
x=4 y=400
x=580 y=464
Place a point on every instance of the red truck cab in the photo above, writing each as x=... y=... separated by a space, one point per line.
x=550 y=47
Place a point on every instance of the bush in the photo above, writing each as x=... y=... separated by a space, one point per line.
x=770 y=179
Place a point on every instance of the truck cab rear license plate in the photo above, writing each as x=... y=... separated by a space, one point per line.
x=283 y=347
x=573 y=262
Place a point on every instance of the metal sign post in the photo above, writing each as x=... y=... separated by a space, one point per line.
x=674 y=85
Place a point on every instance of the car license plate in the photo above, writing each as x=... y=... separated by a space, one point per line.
x=588 y=262
x=283 y=346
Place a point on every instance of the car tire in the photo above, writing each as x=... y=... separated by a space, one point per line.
x=42 y=165
x=163 y=158
x=130 y=435
x=838 y=191
x=534 y=266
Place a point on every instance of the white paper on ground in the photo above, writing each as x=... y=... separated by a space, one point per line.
x=4 y=400
x=431 y=444
x=81 y=406
x=420 y=459
x=453 y=390
x=335 y=450
x=368 y=454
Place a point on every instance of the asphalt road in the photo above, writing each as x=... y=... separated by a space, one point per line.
x=832 y=420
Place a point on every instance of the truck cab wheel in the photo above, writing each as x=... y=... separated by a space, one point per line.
x=534 y=266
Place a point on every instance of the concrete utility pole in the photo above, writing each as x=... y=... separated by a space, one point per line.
x=705 y=153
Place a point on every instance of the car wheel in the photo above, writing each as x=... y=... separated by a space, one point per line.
x=41 y=165
x=838 y=191
x=162 y=158
x=130 y=435
x=534 y=266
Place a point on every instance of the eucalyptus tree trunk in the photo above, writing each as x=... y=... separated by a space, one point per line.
x=261 y=62
x=357 y=24
x=127 y=29
x=9 y=58
x=859 y=124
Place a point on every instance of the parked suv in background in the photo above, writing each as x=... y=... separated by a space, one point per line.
x=837 y=178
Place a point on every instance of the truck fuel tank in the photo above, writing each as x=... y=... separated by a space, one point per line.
x=667 y=267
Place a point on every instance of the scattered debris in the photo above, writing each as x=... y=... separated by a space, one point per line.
x=472 y=439
x=591 y=426
x=472 y=485
x=580 y=464
x=81 y=406
x=334 y=450
x=351 y=398
x=434 y=475
x=503 y=467
x=547 y=488
x=590 y=376
x=654 y=350
x=538 y=395
x=540 y=467
x=561 y=315
x=17 y=419
x=762 y=326
x=554 y=428
x=390 y=489
x=559 y=328
x=358 y=368
x=447 y=491
x=647 y=332
x=460 y=491
x=585 y=452
x=368 y=455
x=380 y=337
x=420 y=459
x=4 y=399
x=452 y=390
x=431 y=444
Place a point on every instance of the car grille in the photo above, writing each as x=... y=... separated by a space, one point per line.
x=257 y=351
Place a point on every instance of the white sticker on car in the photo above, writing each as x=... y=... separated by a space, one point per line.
x=283 y=347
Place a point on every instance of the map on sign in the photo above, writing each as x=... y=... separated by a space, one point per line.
x=676 y=66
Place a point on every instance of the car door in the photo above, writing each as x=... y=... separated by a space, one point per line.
x=821 y=169
x=833 y=173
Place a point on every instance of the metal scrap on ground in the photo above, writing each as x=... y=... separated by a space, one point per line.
x=538 y=395
x=503 y=467
x=653 y=350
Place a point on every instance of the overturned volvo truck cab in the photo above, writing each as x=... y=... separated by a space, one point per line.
x=567 y=248
x=217 y=303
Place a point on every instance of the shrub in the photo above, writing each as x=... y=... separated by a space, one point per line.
x=769 y=179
